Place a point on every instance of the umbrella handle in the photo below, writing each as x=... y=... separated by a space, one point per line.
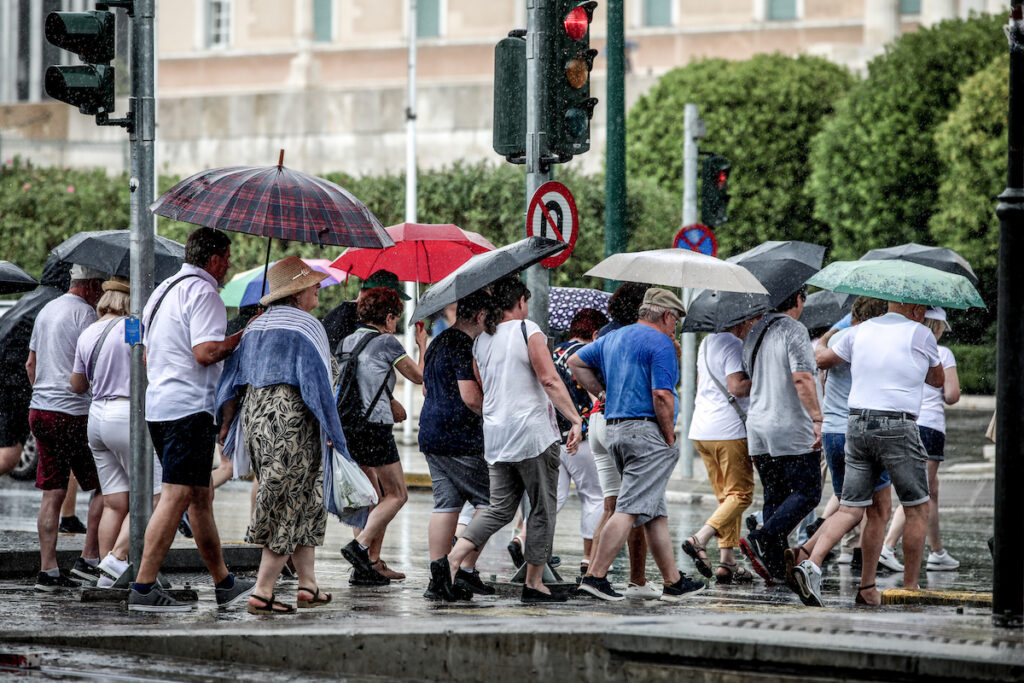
x=266 y=265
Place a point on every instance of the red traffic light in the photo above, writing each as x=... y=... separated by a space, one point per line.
x=722 y=179
x=577 y=22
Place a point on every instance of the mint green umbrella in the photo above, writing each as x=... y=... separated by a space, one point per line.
x=900 y=281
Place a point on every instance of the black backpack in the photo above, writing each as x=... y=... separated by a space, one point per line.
x=349 y=398
x=579 y=395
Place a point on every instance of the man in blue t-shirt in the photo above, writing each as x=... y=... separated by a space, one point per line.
x=640 y=370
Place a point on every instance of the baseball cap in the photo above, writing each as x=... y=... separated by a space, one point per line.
x=656 y=296
x=80 y=272
x=385 y=278
x=938 y=313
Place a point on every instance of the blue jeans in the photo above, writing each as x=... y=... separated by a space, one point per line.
x=792 y=488
x=834 y=445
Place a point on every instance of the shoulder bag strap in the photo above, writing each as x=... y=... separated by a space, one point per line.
x=164 y=296
x=728 y=397
x=99 y=344
x=757 y=346
x=370 y=336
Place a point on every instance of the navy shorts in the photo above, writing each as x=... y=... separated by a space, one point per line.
x=372 y=445
x=185 y=448
x=459 y=479
x=934 y=443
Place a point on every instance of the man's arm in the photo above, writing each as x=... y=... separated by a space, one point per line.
x=805 y=390
x=665 y=411
x=826 y=358
x=30 y=367
x=936 y=376
x=585 y=375
x=951 y=387
x=211 y=352
x=738 y=384
x=471 y=395
x=79 y=383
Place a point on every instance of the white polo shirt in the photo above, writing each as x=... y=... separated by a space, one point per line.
x=889 y=358
x=191 y=313
x=933 y=405
x=714 y=418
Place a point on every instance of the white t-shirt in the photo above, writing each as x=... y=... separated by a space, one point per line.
x=714 y=418
x=192 y=313
x=519 y=420
x=933 y=411
x=112 y=374
x=54 y=337
x=889 y=358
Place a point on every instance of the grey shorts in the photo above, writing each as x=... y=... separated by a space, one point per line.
x=458 y=479
x=876 y=444
x=645 y=462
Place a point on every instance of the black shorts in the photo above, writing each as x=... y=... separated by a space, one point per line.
x=372 y=445
x=14 y=416
x=185 y=448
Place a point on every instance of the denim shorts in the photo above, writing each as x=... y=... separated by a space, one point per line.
x=893 y=444
x=934 y=443
x=458 y=479
x=834 y=445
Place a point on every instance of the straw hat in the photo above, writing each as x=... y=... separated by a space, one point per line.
x=117 y=284
x=290 y=276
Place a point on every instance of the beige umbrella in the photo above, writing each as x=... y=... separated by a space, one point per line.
x=678 y=268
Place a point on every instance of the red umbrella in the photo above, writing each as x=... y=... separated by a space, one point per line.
x=422 y=253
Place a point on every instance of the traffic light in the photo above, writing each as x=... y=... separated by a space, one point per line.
x=714 y=190
x=510 y=96
x=570 y=106
x=90 y=35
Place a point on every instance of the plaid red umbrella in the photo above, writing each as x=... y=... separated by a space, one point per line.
x=273 y=201
x=422 y=252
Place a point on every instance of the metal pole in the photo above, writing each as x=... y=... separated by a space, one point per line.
x=538 y=278
x=615 y=238
x=1008 y=561
x=143 y=223
x=688 y=358
x=410 y=215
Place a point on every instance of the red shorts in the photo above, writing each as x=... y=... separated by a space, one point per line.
x=63 y=444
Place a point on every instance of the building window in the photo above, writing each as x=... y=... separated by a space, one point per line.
x=218 y=23
x=910 y=6
x=428 y=18
x=323 y=20
x=782 y=10
x=657 y=12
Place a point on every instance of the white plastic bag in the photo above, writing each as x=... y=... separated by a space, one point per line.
x=352 y=490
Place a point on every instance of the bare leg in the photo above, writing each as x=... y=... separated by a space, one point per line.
x=47 y=523
x=899 y=518
x=303 y=559
x=609 y=510
x=534 y=578
x=67 y=508
x=271 y=564
x=934 y=538
x=637 y=555
x=830 y=507
x=121 y=545
x=9 y=458
x=174 y=500
x=913 y=544
x=871 y=541
x=114 y=518
x=223 y=472
x=440 y=530
x=91 y=548
x=832 y=531
x=393 y=497
x=200 y=514
x=660 y=542
x=615 y=532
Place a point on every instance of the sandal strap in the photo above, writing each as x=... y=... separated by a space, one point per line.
x=727 y=565
x=315 y=592
x=862 y=588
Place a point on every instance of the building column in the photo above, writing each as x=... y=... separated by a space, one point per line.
x=305 y=69
x=934 y=11
x=881 y=22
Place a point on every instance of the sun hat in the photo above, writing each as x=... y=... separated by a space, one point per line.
x=655 y=296
x=117 y=284
x=80 y=272
x=289 y=276
x=385 y=278
x=938 y=313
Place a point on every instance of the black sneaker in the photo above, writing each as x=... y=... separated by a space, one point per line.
x=751 y=523
x=471 y=581
x=85 y=571
x=359 y=557
x=371 y=577
x=155 y=601
x=683 y=588
x=532 y=595
x=440 y=586
x=71 y=525
x=185 y=526
x=240 y=590
x=599 y=588
x=52 y=584
x=858 y=560
x=515 y=551
x=754 y=551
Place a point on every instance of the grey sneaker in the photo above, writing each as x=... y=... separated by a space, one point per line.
x=240 y=590
x=808 y=580
x=155 y=601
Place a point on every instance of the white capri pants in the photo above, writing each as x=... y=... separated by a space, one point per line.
x=110 y=442
x=581 y=469
x=607 y=474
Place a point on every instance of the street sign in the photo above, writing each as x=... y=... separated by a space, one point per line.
x=697 y=237
x=552 y=214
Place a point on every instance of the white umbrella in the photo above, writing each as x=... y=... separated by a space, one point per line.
x=678 y=268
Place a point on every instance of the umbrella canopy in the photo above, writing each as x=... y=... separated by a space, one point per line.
x=825 y=309
x=246 y=288
x=941 y=258
x=483 y=269
x=905 y=282
x=718 y=311
x=804 y=252
x=677 y=268
x=422 y=253
x=566 y=302
x=110 y=251
x=13 y=279
x=273 y=201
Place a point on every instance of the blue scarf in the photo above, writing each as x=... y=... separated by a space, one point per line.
x=286 y=346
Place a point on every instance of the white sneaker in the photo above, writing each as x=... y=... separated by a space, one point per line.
x=888 y=559
x=112 y=567
x=939 y=562
x=648 y=591
x=808 y=580
x=104 y=582
x=845 y=558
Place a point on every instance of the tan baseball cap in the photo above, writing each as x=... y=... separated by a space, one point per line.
x=656 y=296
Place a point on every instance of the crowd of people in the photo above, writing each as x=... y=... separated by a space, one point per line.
x=505 y=426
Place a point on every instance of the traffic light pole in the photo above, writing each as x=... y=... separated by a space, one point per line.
x=143 y=192
x=538 y=18
x=688 y=359
x=1008 y=561
x=615 y=238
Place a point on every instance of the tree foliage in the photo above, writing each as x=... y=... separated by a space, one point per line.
x=875 y=164
x=761 y=114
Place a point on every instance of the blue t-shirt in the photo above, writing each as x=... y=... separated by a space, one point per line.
x=834 y=405
x=635 y=360
x=447 y=425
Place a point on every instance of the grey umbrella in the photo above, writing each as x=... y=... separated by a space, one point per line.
x=109 y=251
x=825 y=309
x=718 y=311
x=13 y=279
x=941 y=258
x=483 y=269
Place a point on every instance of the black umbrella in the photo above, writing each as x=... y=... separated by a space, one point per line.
x=805 y=252
x=110 y=251
x=825 y=309
x=13 y=279
x=941 y=258
x=483 y=269
x=16 y=324
x=718 y=311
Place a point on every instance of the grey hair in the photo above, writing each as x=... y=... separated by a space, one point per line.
x=651 y=312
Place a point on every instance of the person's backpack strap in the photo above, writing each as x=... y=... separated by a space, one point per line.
x=163 y=296
x=358 y=349
x=728 y=397
x=99 y=344
x=526 y=337
x=757 y=345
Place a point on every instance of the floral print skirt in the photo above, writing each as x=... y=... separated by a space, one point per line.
x=283 y=438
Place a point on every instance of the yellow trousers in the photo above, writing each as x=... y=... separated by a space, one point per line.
x=732 y=477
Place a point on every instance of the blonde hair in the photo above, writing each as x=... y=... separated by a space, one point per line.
x=113 y=301
x=936 y=326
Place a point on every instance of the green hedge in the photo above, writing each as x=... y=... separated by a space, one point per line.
x=976 y=368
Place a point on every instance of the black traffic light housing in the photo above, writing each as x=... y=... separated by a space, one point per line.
x=510 y=97
x=714 y=190
x=569 y=104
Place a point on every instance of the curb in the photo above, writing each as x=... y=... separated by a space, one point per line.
x=19 y=564
x=900 y=596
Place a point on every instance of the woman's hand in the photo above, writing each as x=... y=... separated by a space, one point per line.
x=398 y=411
x=224 y=429
x=421 y=335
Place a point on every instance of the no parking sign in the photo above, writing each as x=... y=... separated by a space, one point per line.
x=552 y=214
x=697 y=237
